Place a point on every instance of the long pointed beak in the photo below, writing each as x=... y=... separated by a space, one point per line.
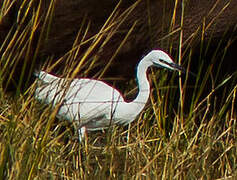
x=177 y=67
x=181 y=69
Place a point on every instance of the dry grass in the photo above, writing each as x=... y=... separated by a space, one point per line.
x=196 y=140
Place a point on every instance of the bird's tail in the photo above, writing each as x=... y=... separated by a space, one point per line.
x=45 y=77
x=36 y=73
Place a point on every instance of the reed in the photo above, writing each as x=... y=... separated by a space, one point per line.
x=189 y=137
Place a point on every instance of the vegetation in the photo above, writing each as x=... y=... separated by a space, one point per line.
x=193 y=136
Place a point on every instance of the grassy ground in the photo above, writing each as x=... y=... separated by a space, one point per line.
x=193 y=136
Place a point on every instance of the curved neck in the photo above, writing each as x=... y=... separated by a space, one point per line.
x=143 y=88
x=143 y=84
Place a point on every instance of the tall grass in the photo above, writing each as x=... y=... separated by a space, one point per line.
x=190 y=137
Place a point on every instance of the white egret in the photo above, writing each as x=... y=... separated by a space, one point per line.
x=95 y=105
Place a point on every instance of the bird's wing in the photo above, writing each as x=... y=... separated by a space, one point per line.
x=89 y=90
x=90 y=102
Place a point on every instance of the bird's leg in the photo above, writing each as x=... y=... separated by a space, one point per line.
x=81 y=133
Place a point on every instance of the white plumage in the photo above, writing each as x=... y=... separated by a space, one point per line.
x=95 y=105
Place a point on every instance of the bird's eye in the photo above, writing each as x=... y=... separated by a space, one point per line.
x=161 y=60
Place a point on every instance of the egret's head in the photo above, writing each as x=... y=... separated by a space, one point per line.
x=161 y=59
